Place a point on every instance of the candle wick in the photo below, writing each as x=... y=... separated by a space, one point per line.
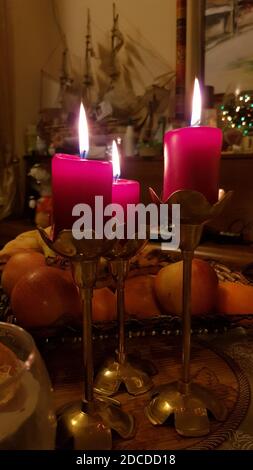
x=83 y=154
x=116 y=178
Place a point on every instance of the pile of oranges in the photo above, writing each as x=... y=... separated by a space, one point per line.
x=43 y=295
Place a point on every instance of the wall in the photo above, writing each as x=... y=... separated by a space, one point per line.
x=149 y=25
x=34 y=38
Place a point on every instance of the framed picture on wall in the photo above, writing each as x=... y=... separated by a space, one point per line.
x=228 y=45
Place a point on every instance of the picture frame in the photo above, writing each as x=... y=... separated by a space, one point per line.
x=228 y=45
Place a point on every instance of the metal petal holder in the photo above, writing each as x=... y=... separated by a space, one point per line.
x=87 y=424
x=188 y=401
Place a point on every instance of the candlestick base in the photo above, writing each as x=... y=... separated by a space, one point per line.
x=189 y=403
x=115 y=373
x=89 y=426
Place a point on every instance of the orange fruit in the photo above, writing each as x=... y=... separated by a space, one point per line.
x=169 y=288
x=18 y=265
x=234 y=298
x=104 y=305
x=42 y=296
x=140 y=300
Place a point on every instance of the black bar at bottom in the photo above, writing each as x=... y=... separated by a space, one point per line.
x=113 y=459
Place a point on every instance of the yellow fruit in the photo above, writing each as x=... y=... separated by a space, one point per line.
x=17 y=246
x=169 y=287
x=140 y=299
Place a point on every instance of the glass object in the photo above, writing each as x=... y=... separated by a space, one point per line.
x=27 y=420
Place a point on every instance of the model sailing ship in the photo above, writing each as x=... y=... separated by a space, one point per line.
x=109 y=97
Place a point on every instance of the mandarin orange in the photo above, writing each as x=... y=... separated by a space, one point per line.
x=140 y=299
x=43 y=296
x=18 y=265
x=234 y=298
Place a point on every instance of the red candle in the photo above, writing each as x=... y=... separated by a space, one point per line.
x=123 y=191
x=192 y=156
x=76 y=180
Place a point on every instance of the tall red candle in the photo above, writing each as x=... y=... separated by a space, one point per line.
x=192 y=157
x=75 y=181
x=78 y=180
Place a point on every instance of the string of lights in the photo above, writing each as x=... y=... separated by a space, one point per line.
x=237 y=113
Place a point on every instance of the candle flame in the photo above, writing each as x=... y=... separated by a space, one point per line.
x=196 y=104
x=115 y=160
x=221 y=193
x=83 y=133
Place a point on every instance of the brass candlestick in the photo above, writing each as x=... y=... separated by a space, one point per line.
x=87 y=424
x=120 y=369
x=188 y=401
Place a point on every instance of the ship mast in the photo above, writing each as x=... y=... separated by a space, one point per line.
x=117 y=42
x=65 y=80
x=88 y=78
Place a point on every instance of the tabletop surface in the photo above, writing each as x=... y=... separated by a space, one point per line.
x=238 y=344
x=65 y=369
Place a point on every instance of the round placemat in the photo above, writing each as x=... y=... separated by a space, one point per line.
x=210 y=367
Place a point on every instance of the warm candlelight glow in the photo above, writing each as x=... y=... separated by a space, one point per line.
x=115 y=160
x=83 y=133
x=196 y=104
x=221 y=193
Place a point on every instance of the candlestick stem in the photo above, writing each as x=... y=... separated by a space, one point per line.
x=121 y=269
x=88 y=278
x=187 y=268
x=188 y=401
x=87 y=347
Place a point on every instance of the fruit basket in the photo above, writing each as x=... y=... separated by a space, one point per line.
x=149 y=263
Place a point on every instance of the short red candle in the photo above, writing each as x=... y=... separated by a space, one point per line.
x=124 y=191
x=192 y=158
x=77 y=180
